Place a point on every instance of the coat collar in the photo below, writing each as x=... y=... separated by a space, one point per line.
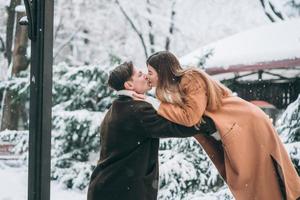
x=127 y=93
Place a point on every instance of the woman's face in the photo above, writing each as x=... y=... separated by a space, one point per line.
x=152 y=76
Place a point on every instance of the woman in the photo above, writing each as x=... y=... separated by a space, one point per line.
x=250 y=156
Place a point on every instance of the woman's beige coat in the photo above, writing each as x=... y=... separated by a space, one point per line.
x=250 y=156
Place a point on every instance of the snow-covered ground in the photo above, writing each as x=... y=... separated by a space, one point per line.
x=13 y=184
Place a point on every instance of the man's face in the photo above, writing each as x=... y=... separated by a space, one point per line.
x=138 y=82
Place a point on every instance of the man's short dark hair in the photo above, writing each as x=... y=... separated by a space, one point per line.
x=120 y=75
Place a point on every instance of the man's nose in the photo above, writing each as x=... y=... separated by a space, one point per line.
x=146 y=77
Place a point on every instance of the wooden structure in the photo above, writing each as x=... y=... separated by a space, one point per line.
x=279 y=92
x=5 y=148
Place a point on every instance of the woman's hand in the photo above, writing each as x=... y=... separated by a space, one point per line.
x=139 y=97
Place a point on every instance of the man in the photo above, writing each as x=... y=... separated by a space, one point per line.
x=128 y=165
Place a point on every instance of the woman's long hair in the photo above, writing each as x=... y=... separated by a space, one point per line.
x=170 y=73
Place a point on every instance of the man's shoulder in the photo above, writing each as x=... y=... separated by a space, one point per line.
x=131 y=103
x=122 y=109
x=142 y=107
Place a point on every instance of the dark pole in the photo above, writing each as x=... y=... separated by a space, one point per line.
x=260 y=72
x=40 y=31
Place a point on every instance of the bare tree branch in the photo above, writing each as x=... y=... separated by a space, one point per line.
x=59 y=26
x=134 y=28
x=65 y=43
x=270 y=11
x=278 y=14
x=2 y=48
x=264 y=7
x=172 y=24
x=151 y=35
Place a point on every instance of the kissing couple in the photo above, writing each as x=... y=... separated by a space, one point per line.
x=238 y=137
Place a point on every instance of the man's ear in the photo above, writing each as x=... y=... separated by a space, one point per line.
x=128 y=85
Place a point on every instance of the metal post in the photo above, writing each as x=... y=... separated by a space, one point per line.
x=41 y=35
x=260 y=72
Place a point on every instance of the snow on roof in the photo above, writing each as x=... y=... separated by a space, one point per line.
x=273 y=42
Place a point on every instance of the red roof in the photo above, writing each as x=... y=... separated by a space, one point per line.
x=262 y=104
x=287 y=63
x=279 y=64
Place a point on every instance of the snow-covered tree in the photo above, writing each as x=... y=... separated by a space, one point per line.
x=289 y=129
x=80 y=97
x=184 y=169
x=96 y=32
x=14 y=49
x=16 y=89
x=17 y=138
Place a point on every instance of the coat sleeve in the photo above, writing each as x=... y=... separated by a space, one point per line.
x=195 y=102
x=154 y=125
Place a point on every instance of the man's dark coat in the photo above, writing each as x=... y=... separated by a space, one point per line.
x=128 y=165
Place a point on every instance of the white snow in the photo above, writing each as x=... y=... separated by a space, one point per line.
x=20 y=8
x=277 y=41
x=13 y=184
x=3 y=71
x=23 y=20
